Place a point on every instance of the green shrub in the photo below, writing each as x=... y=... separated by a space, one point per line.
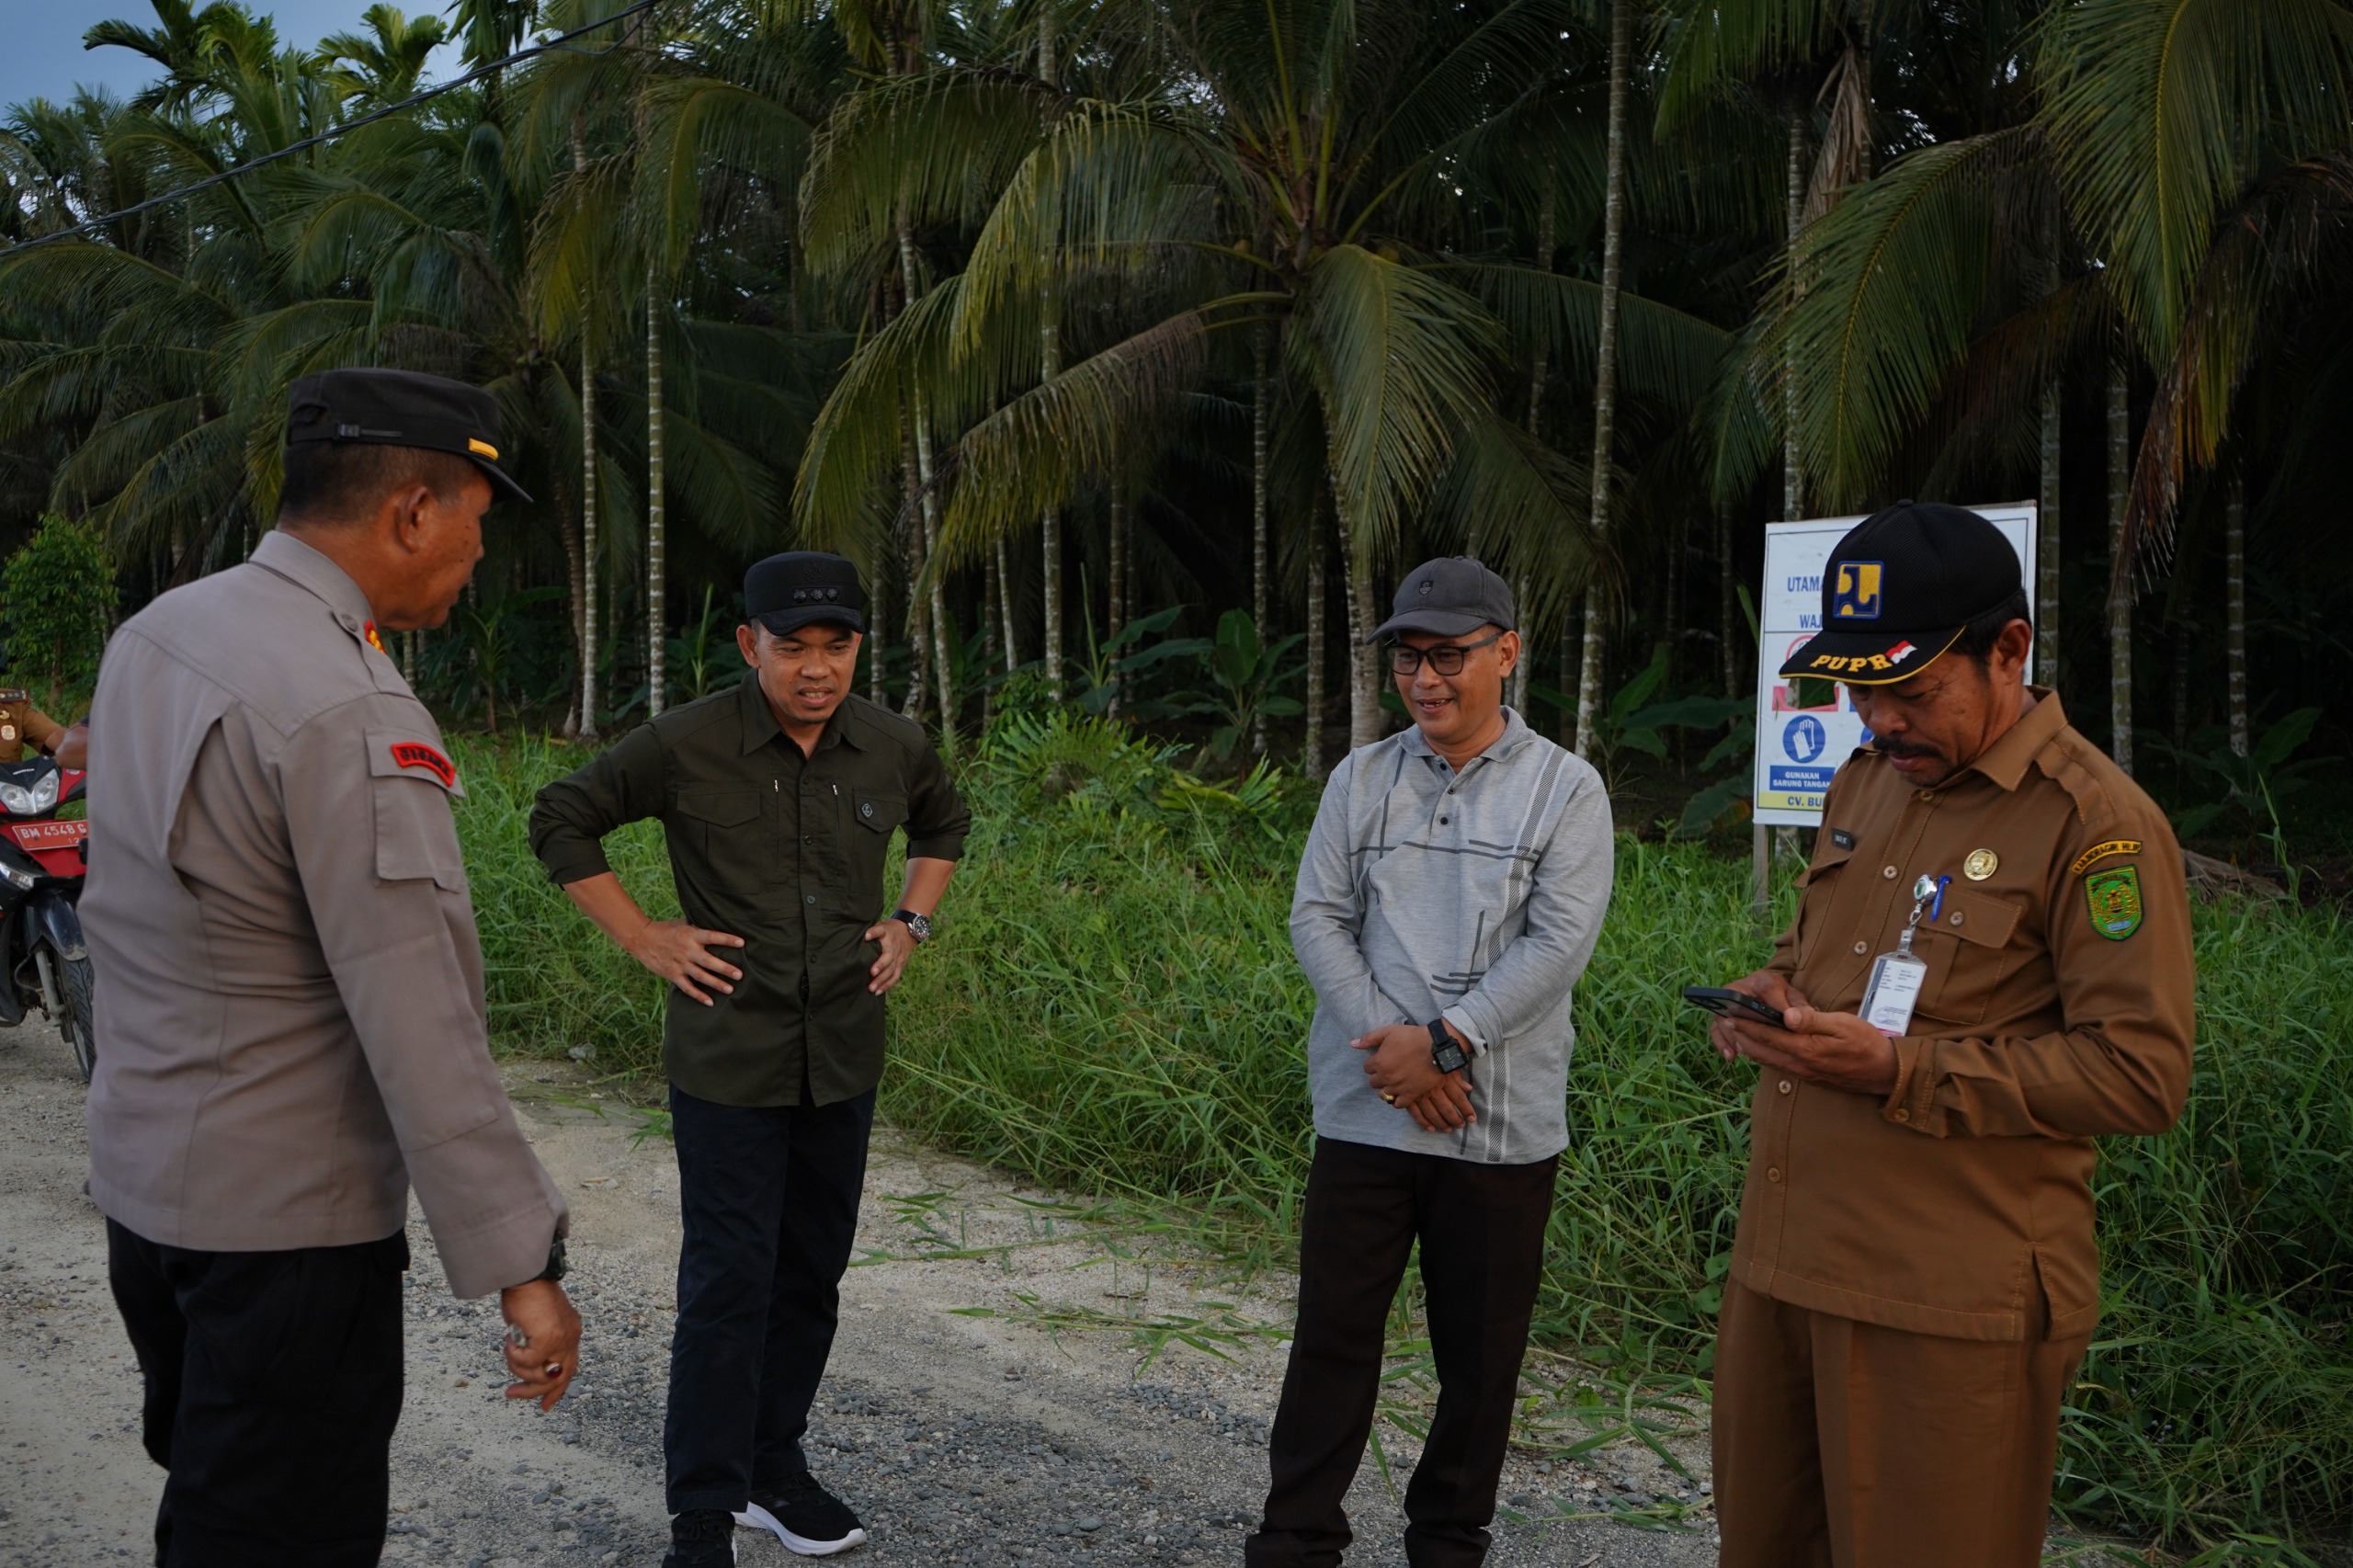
x=1112 y=1005
x=56 y=596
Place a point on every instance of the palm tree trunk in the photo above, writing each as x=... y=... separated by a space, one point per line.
x=1261 y=606
x=658 y=538
x=1547 y=214
x=943 y=656
x=574 y=587
x=2234 y=609
x=1004 y=606
x=878 y=618
x=1364 y=689
x=911 y=548
x=1115 y=605
x=1311 y=751
x=1050 y=526
x=2120 y=591
x=1792 y=477
x=1605 y=366
x=2046 y=550
x=991 y=592
x=408 y=660
x=591 y=694
x=1727 y=606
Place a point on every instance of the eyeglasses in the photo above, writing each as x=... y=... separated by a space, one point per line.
x=1446 y=658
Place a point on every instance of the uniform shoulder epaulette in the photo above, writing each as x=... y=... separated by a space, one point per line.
x=14 y=694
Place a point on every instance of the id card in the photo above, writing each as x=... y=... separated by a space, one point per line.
x=1893 y=992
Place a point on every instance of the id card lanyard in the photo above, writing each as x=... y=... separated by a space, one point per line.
x=1897 y=977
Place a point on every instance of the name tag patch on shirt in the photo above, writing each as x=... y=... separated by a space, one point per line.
x=2101 y=852
x=416 y=754
x=1842 y=839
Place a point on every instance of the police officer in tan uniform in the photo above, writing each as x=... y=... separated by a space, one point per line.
x=289 y=1017
x=1989 y=968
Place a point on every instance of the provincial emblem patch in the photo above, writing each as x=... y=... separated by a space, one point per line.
x=2115 y=901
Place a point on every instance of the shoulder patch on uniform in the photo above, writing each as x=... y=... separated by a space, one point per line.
x=2101 y=852
x=2114 y=899
x=416 y=754
x=13 y=694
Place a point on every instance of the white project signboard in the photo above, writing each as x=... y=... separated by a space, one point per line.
x=1798 y=748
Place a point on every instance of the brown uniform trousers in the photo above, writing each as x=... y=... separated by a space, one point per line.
x=1915 y=1277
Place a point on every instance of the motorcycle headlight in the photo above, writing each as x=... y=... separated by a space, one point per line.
x=45 y=793
x=18 y=801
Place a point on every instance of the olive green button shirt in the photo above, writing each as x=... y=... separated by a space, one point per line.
x=783 y=851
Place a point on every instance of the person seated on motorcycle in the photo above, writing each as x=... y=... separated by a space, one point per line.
x=22 y=724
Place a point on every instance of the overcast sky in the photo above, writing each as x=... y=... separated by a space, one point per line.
x=41 y=53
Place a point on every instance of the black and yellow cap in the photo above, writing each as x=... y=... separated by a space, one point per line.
x=1898 y=590
x=401 y=408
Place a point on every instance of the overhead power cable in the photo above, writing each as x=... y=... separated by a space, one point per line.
x=182 y=193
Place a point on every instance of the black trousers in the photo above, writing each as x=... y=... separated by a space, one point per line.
x=273 y=1384
x=767 y=1196
x=1482 y=1230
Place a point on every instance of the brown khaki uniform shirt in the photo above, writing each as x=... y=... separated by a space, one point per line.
x=2057 y=1006
x=290 y=1019
x=23 y=725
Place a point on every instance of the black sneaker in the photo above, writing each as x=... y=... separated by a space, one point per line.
x=702 y=1538
x=808 y=1519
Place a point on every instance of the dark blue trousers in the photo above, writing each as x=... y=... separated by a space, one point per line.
x=767 y=1196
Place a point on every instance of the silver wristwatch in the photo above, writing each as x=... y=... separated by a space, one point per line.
x=919 y=925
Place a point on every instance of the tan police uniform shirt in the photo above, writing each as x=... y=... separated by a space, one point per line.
x=2057 y=1006
x=290 y=1018
x=24 y=727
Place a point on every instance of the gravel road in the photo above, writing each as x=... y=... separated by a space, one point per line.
x=990 y=1400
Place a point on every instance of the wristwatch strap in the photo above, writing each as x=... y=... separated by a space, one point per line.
x=1444 y=1055
x=555 y=1271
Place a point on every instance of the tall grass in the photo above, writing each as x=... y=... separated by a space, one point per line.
x=1112 y=1005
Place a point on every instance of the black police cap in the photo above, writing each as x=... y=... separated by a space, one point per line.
x=401 y=408
x=1899 y=589
x=801 y=588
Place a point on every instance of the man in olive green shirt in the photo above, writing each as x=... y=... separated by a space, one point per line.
x=777 y=800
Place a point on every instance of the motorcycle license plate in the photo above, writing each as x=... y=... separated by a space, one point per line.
x=50 y=835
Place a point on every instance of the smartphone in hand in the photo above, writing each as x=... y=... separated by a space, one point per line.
x=1734 y=1004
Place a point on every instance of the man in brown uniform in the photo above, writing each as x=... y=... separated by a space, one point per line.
x=22 y=725
x=1915 y=1277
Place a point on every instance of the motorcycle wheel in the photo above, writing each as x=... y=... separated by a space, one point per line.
x=81 y=982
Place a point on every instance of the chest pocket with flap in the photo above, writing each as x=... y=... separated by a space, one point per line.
x=1821 y=886
x=715 y=817
x=410 y=783
x=1969 y=952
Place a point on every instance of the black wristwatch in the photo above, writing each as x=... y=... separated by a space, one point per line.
x=1447 y=1055
x=919 y=925
x=553 y=1272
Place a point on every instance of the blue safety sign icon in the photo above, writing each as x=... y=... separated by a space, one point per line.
x=1803 y=738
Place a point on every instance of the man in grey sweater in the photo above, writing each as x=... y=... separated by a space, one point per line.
x=1451 y=895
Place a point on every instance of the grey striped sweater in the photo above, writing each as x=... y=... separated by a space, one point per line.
x=1478 y=895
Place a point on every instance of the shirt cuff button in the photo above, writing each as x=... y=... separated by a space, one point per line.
x=1903 y=1115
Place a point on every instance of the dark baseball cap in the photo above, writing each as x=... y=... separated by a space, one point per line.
x=401 y=408
x=1450 y=597
x=1899 y=589
x=800 y=588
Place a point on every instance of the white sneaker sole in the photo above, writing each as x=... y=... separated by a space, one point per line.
x=799 y=1546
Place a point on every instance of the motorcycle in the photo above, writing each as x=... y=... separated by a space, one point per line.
x=44 y=962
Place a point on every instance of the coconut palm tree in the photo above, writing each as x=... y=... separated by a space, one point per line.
x=1295 y=196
